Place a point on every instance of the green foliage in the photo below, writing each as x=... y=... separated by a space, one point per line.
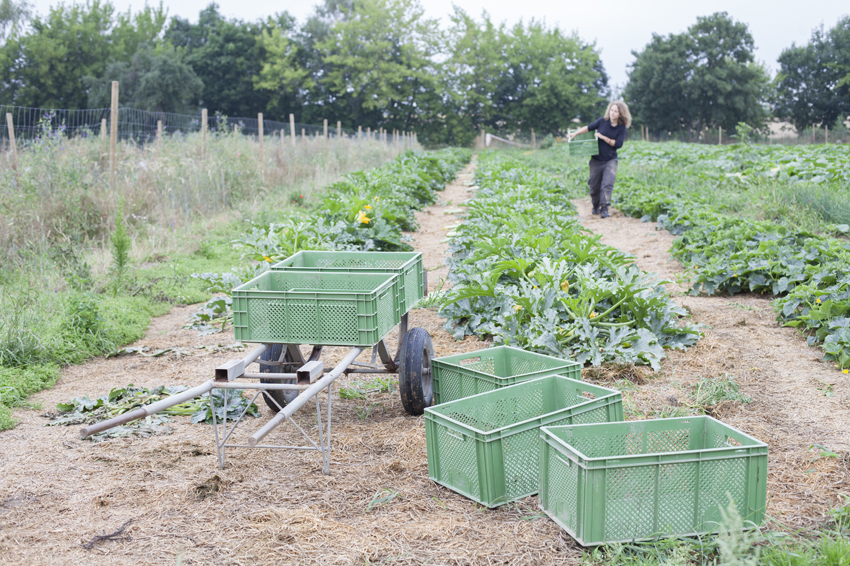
x=155 y=79
x=47 y=65
x=733 y=255
x=813 y=83
x=12 y=15
x=703 y=78
x=359 y=389
x=120 y=400
x=18 y=383
x=708 y=392
x=526 y=273
x=120 y=249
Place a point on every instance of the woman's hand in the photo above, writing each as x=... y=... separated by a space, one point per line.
x=607 y=140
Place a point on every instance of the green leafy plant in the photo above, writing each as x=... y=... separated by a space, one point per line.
x=120 y=249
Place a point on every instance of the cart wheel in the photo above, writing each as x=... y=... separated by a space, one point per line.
x=279 y=396
x=414 y=372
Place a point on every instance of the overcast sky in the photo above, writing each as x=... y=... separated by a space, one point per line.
x=617 y=26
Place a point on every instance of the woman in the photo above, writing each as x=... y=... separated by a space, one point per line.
x=610 y=133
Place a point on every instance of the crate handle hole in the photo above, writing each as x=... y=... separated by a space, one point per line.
x=588 y=395
x=457 y=436
x=468 y=361
x=732 y=442
x=566 y=461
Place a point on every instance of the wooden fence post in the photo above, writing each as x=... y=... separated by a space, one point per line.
x=303 y=134
x=339 y=129
x=113 y=135
x=325 y=134
x=826 y=134
x=12 y=145
x=533 y=140
x=235 y=129
x=292 y=128
x=203 y=133
x=359 y=132
x=104 y=145
x=719 y=135
x=260 y=136
x=159 y=135
x=368 y=132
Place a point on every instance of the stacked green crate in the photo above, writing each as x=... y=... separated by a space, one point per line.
x=462 y=375
x=319 y=308
x=407 y=265
x=486 y=446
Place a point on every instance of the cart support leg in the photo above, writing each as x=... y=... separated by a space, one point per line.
x=302 y=399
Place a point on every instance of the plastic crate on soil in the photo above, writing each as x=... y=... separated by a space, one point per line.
x=486 y=446
x=635 y=480
x=319 y=308
x=462 y=375
x=407 y=265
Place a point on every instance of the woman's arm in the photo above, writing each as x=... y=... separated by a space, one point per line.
x=582 y=130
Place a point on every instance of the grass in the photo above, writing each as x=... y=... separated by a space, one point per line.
x=78 y=280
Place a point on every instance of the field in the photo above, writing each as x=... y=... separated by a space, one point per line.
x=718 y=350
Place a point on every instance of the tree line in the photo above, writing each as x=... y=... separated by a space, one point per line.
x=383 y=63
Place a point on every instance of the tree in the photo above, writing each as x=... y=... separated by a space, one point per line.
x=657 y=91
x=226 y=55
x=551 y=78
x=379 y=63
x=813 y=83
x=156 y=80
x=47 y=66
x=704 y=78
x=13 y=15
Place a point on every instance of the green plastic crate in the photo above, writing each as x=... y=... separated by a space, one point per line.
x=486 y=446
x=583 y=148
x=407 y=265
x=637 y=480
x=462 y=375
x=319 y=308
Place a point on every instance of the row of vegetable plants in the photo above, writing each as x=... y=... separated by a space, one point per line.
x=367 y=210
x=524 y=272
x=809 y=274
x=745 y=164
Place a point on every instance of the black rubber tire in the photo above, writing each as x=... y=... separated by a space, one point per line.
x=281 y=397
x=414 y=371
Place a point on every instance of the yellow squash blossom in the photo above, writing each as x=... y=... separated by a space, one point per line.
x=362 y=218
x=267 y=258
x=517 y=308
x=593 y=314
x=565 y=286
x=367 y=207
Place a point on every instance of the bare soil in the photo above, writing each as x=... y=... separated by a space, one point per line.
x=57 y=492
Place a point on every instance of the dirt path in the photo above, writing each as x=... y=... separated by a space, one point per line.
x=265 y=507
x=798 y=401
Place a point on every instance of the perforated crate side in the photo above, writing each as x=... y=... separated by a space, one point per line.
x=503 y=426
x=647 y=479
x=327 y=310
x=407 y=265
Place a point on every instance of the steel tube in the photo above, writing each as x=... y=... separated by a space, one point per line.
x=254 y=354
x=308 y=394
x=262 y=386
x=247 y=375
x=148 y=410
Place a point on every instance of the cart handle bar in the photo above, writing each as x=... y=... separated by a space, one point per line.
x=148 y=410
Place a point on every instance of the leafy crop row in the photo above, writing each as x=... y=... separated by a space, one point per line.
x=526 y=273
x=810 y=274
x=744 y=163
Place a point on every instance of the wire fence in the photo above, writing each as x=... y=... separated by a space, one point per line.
x=141 y=126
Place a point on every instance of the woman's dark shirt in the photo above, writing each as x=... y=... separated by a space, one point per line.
x=616 y=133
